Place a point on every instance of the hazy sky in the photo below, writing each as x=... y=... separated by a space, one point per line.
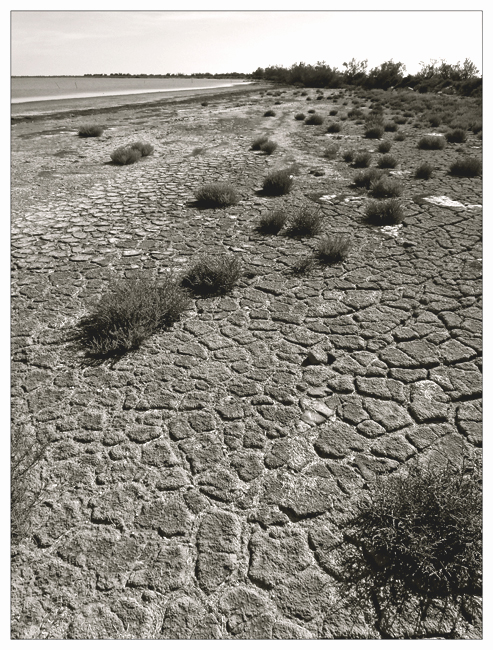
x=79 y=42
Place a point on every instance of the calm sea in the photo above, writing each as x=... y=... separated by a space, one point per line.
x=39 y=89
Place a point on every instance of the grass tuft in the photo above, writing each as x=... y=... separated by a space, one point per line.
x=385 y=187
x=467 y=167
x=216 y=195
x=374 y=131
x=457 y=135
x=90 y=131
x=213 y=275
x=431 y=142
x=387 y=162
x=384 y=213
x=314 y=120
x=365 y=179
x=269 y=113
x=334 y=127
x=332 y=250
x=362 y=159
x=125 y=156
x=384 y=146
x=299 y=116
x=273 y=222
x=278 y=182
x=305 y=223
x=424 y=171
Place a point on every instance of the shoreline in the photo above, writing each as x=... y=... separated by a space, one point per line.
x=29 y=111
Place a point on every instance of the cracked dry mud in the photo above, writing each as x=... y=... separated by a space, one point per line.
x=198 y=487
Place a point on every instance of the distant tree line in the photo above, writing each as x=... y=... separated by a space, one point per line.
x=198 y=75
x=432 y=77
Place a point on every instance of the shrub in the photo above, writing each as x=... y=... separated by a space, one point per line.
x=333 y=112
x=331 y=151
x=365 y=179
x=130 y=312
x=390 y=126
x=213 y=275
x=468 y=167
x=384 y=213
x=457 y=135
x=144 y=148
x=303 y=265
x=306 y=222
x=90 y=131
x=400 y=120
x=384 y=146
x=256 y=144
x=424 y=171
x=269 y=113
x=299 y=116
x=373 y=132
x=355 y=113
x=431 y=142
x=362 y=159
x=332 y=250
x=205 y=104
x=278 y=182
x=314 y=120
x=273 y=222
x=421 y=535
x=435 y=120
x=387 y=162
x=334 y=127
x=312 y=110
x=125 y=156
x=348 y=155
x=268 y=147
x=399 y=137
x=385 y=187
x=216 y=195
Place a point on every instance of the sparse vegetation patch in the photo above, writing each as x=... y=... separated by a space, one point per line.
x=213 y=275
x=216 y=195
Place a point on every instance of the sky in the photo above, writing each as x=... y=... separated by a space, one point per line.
x=158 y=42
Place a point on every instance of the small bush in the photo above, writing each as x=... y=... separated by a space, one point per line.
x=431 y=142
x=273 y=222
x=144 y=148
x=303 y=266
x=331 y=151
x=268 y=147
x=213 y=275
x=258 y=142
x=90 y=131
x=384 y=213
x=333 y=112
x=384 y=146
x=355 y=113
x=424 y=171
x=205 y=104
x=314 y=120
x=269 y=113
x=457 y=135
x=278 y=183
x=125 y=156
x=299 y=116
x=312 y=110
x=332 y=250
x=365 y=179
x=387 y=162
x=362 y=159
x=390 y=127
x=374 y=132
x=348 y=155
x=334 y=127
x=306 y=223
x=435 y=120
x=385 y=187
x=467 y=167
x=400 y=120
x=130 y=312
x=216 y=195
x=399 y=137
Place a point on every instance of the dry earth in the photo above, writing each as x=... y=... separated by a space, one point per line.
x=199 y=487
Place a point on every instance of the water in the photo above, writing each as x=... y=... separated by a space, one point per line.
x=39 y=89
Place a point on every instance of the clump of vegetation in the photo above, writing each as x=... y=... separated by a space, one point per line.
x=355 y=113
x=333 y=112
x=365 y=179
x=216 y=195
x=362 y=159
x=304 y=265
x=467 y=167
x=273 y=222
x=314 y=120
x=264 y=144
x=125 y=156
x=399 y=137
x=205 y=104
x=374 y=131
x=390 y=127
x=385 y=187
x=333 y=249
x=144 y=148
x=90 y=131
x=334 y=127
x=424 y=171
x=387 y=162
x=269 y=113
x=348 y=155
x=431 y=142
x=299 y=116
x=129 y=313
x=278 y=182
x=256 y=144
x=435 y=120
x=312 y=110
x=213 y=275
x=384 y=213
x=305 y=223
x=457 y=135
x=384 y=146
x=420 y=535
x=331 y=151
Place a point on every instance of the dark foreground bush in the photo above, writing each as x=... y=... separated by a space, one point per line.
x=424 y=171
x=385 y=187
x=421 y=534
x=273 y=222
x=384 y=146
x=314 y=120
x=384 y=213
x=431 y=142
x=216 y=195
x=373 y=132
x=362 y=159
x=334 y=127
x=130 y=312
x=457 y=135
x=268 y=147
x=299 y=116
x=333 y=249
x=305 y=223
x=348 y=155
x=213 y=275
x=125 y=156
x=399 y=137
x=278 y=183
x=90 y=131
x=269 y=113
x=258 y=142
x=387 y=162
x=468 y=167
